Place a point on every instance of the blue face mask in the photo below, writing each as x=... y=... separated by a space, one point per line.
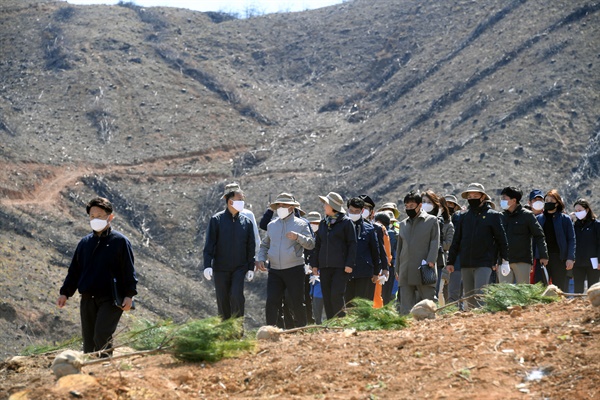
x=504 y=204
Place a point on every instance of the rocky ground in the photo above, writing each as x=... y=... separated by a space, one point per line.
x=542 y=352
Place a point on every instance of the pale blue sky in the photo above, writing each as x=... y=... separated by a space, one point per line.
x=238 y=6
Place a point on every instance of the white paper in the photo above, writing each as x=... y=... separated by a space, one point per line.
x=594 y=261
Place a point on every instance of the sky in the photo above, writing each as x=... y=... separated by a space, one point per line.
x=234 y=6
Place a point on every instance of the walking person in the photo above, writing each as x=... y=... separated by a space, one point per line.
x=101 y=259
x=335 y=254
x=368 y=264
x=287 y=238
x=478 y=237
x=560 y=239
x=587 y=237
x=418 y=241
x=229 y=252
x=522 y=230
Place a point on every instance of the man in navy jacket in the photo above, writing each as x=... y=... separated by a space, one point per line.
x=368 y=261
x=229 y=253
x=101 y=257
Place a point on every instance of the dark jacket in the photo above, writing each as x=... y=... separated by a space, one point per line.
x=335 y=245
x=383 y=261
x=229 y=242
x=565 y=234
x=587 y=237
x=478 y=237
x=521 y=227
x=97 y=259
x=367 y=251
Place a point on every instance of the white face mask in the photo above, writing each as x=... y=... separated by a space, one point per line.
x=427 y=207
x=354 y=217
x=98 y=224
x=581 y=214
x=315 y=227
x=538 y=205
x=365 y=213
x=283 y=212
x=238 y=205
x=504 y=204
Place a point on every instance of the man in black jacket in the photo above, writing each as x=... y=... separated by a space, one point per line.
x=334 y=254
x=229 y=253
x=101 y=258
x=478 y=237
x=521 y=227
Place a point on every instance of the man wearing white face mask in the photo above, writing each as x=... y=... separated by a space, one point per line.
x=287 y=237
x=368 y=261
x=536 y=201
x=103 y=261
x=229 y=253
x=521 y=228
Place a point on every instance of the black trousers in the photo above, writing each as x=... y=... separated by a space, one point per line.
x=363 y=288
x=280 y=281
x=386 y=290
x=229 y=286
x=580 y=274
x=99 y=320
x=557 y=271
x=333 y=286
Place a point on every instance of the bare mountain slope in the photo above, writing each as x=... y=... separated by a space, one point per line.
x=158 y=108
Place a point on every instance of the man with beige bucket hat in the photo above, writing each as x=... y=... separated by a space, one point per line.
x=478 y=237
x=287 y=237
x=335 y=254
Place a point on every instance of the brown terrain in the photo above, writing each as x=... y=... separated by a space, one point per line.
x=159 y=108
x=542 y=352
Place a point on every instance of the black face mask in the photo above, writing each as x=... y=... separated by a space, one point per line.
x=474 y=203
x=549 y=206
x=451 y=210
x=411 y=213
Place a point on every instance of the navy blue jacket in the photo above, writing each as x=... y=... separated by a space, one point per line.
x=97 y=259
x=229 y=242
x=335 y=245
x=565 y=234
x=368 y=261
x=478 y=237
x=587 y=237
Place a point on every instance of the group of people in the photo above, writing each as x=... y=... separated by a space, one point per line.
x=356 y=250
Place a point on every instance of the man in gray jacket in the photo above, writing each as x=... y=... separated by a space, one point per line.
x=418 y=241
x=287 y=237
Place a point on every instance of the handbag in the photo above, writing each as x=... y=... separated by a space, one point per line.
x=117 y=298
x=428 y=275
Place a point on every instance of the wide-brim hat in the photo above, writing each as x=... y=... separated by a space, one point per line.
x=334 y=200
x=313 y=216
x=284 y=198
x=231 y=187
x=450 y=198
x=474 y=187
x=391 y=207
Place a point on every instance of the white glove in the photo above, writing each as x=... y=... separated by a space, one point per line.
x=208 y=274
x=505 y=268
x=381 y=279
x=307 y=269
x=249 y=276
x=314 y=279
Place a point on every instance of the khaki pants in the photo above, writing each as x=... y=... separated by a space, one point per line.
x=519 y=273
